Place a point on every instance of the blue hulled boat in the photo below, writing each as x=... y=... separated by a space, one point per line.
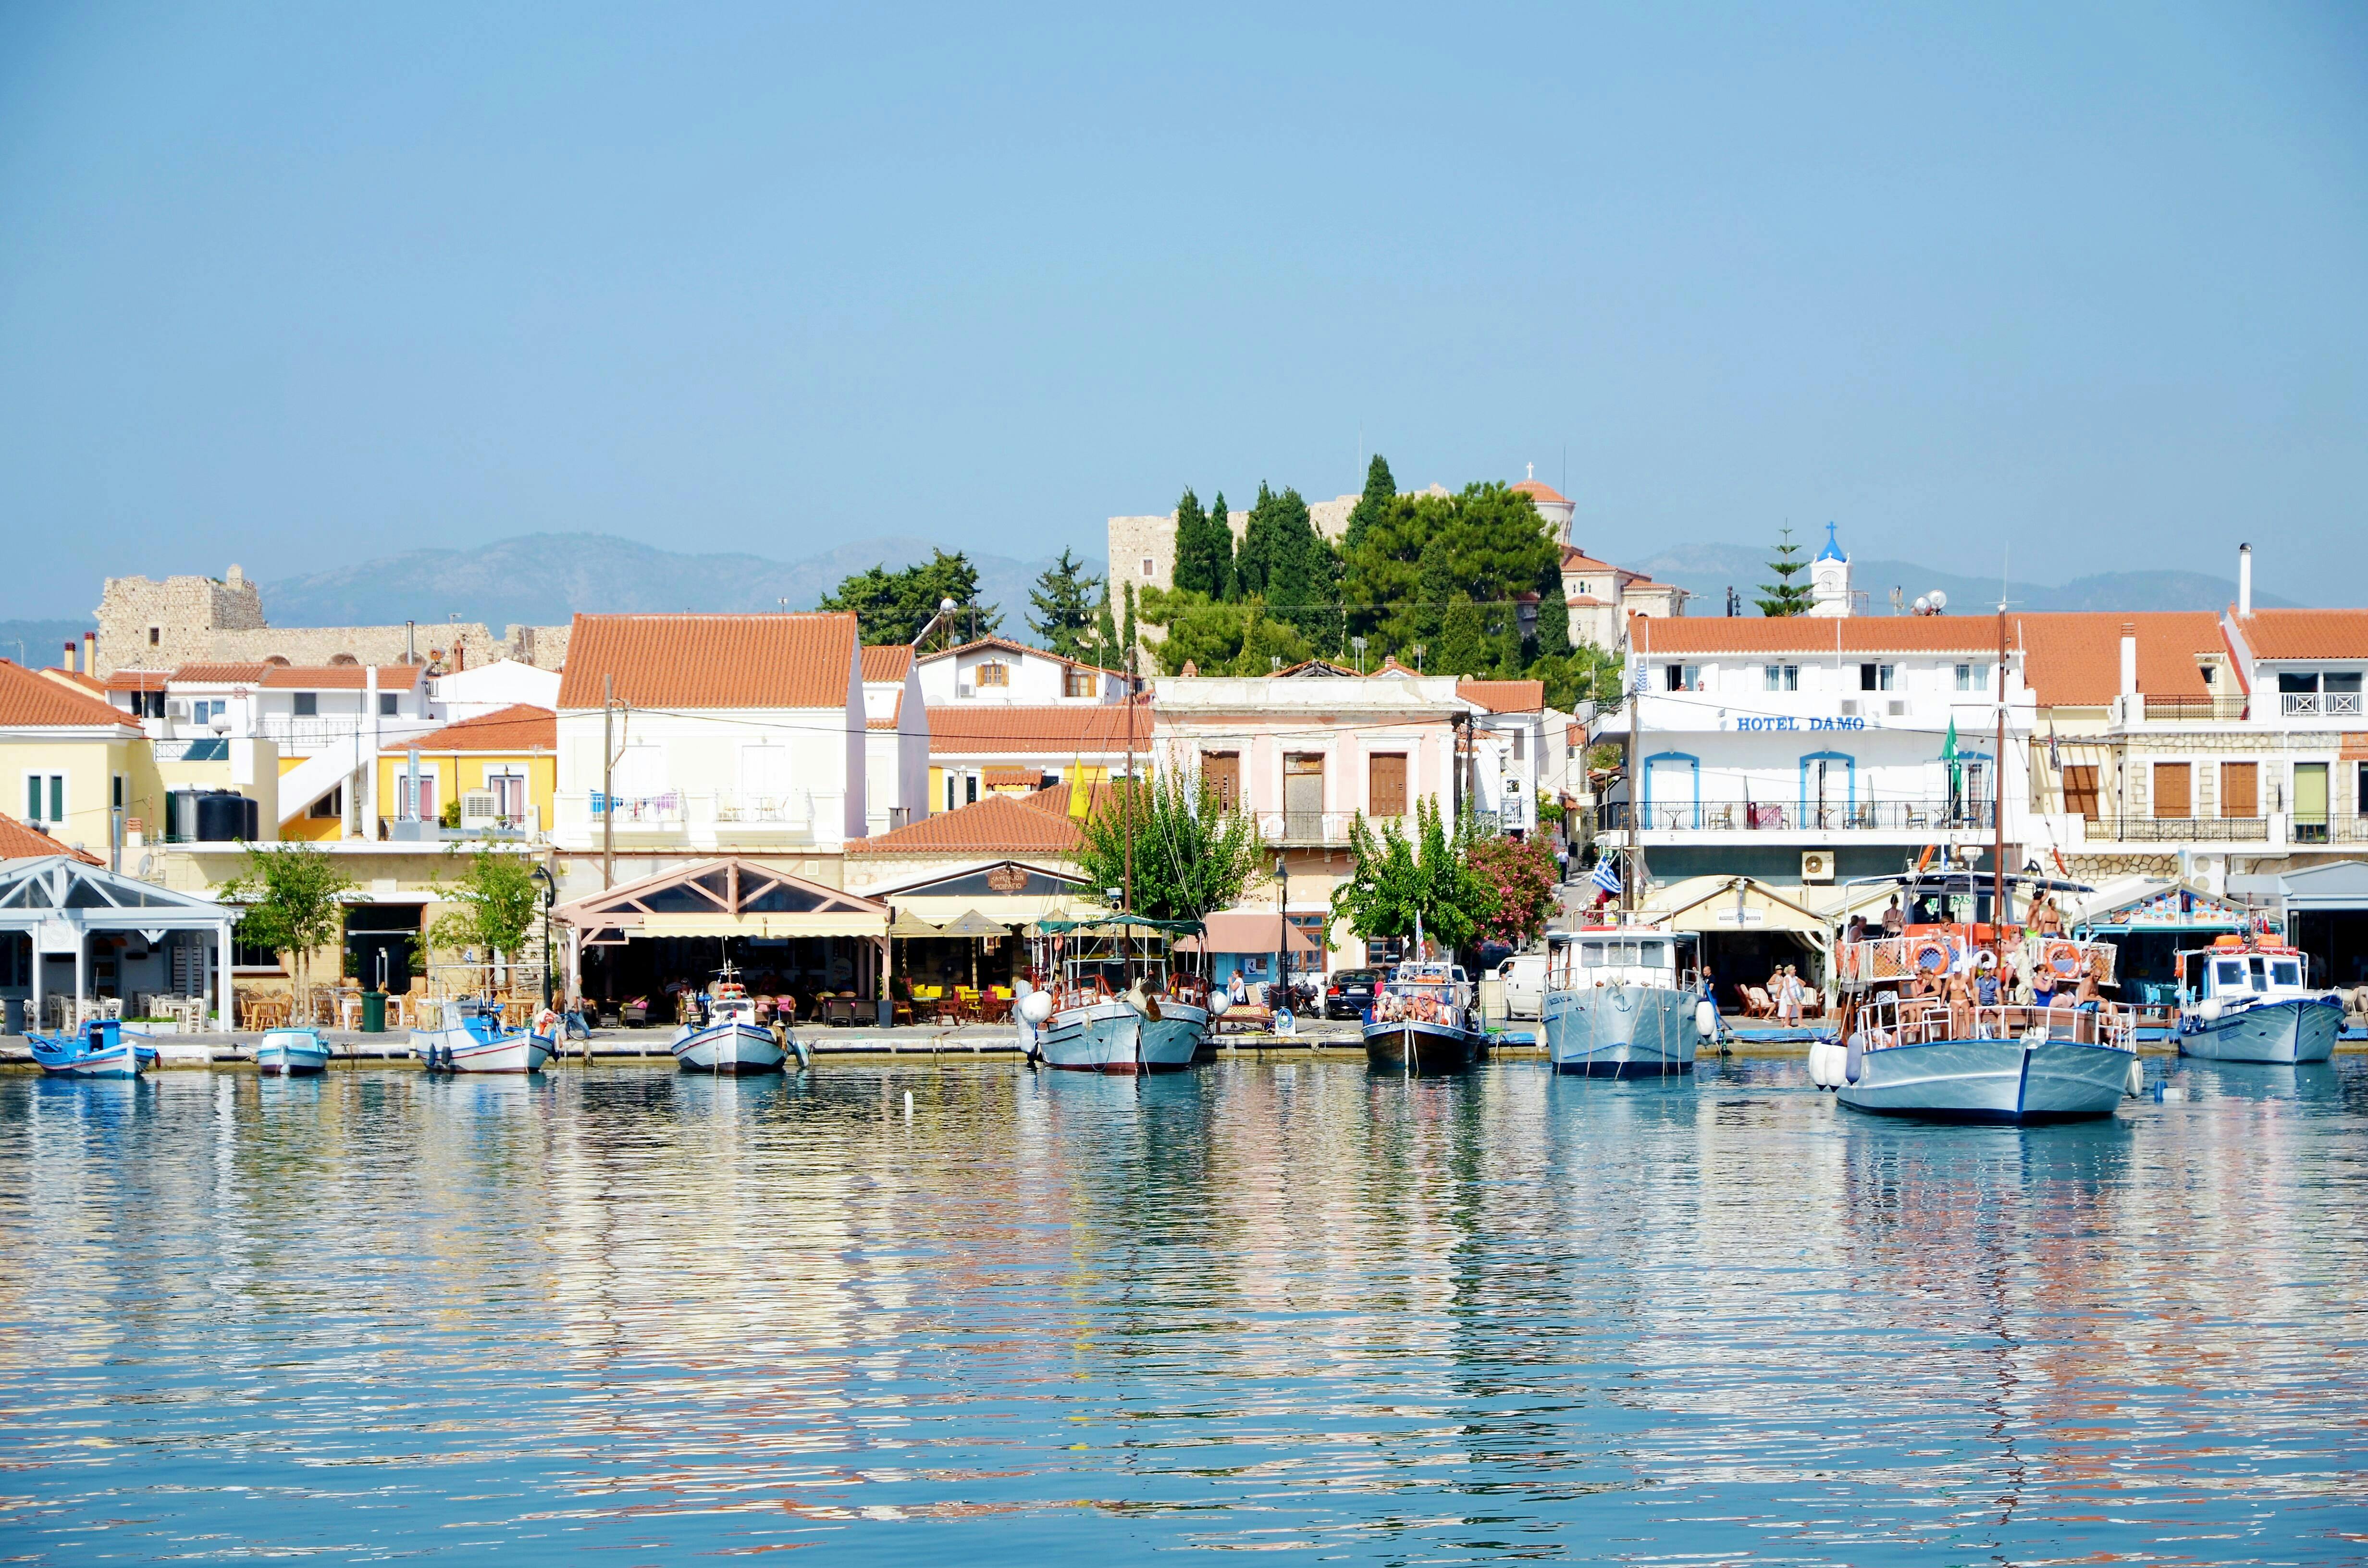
x=99 y=1049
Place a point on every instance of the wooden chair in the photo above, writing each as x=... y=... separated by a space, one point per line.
x=1756 y=1004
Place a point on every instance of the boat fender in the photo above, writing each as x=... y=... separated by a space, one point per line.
x=2211 y=1009
x=1036 y=1007
x=1706 y=1019
x=1855 y=1058
x=1818 y=1064
x=1220 y=1003
x=2136 y=1087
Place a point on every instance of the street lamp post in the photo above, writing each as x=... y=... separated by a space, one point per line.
x=1282 y=929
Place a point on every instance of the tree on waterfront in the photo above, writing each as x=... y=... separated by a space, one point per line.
x=1429 y=875
x=1521 y=878
x=295 y=902
x=1784 y=595
x=496 y=899
x=1064 y=605
x=1192 y=856
x=893 y=605
x=1204 y=548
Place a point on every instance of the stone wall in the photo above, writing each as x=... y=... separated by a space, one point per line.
x=145 y=624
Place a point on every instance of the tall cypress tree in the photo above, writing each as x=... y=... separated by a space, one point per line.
x=1106 y=648
x=1380 y=491
x=1126 y=631
x=1221 y=585
x=1784 y=595
x=1194 y=569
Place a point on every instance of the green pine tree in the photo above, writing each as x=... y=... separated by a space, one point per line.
x=1381 y=489
x=1784 y=595
x=1106 y=648
x=1223 y=584
x=1126 y=643
x=893 y=607
x=1063 y=601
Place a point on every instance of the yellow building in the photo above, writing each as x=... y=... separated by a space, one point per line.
x=70 y=763
x=500 y=769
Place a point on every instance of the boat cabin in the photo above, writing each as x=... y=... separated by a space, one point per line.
x=1614 y=956
x=2229 y=969
x=1106 y=955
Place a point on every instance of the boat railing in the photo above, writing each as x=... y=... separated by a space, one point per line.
x=1891 y=1020
x=2066 y=958
x=1887 y=961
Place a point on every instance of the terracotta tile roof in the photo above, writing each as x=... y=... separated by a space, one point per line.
x=1005 y=777
x=1504 y=696
x=885 y=662
x=711 y=661
x=998 y=825
x=887 y=723
x=18 y=842
x=138 y=680
x=2075 y=657
x=74 y=680
x=221 y=674
x=1657 y=635
x=339 y=677
x=1306 y=667
x=1578 y=600
x=972 y=729
x=2305 y=633
x=520 y=727
x=1577 y=560
x=1390 y=667
x=1537 y=490
x=26 y=698
x=1005 y=645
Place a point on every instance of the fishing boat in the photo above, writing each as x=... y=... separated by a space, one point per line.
x=724 y=1036
x=1622 y=1002
x=1108 y=999
x=2244 y=1001
x=1927 y=1030
x=1423 y=1020
x=294 y=1052
x=470 y=1039
x=99 y=1049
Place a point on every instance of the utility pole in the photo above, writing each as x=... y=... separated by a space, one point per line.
x=1126 y=830
x=608 y=782
x=1998 y=816
x=1636 y=679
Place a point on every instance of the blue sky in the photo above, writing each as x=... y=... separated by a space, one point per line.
x=301 y=286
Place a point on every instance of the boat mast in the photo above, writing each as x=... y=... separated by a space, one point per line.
x=1998 y=816
x=1636 y=681
x=1126 y=834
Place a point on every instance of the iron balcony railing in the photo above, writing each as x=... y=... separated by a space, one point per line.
x=2180 y=830
x=1789 y=816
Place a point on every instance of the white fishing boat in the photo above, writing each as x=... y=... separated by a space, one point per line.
x=470 y=1039
x=2241 y=1002
x=1423 y=1020
x=724 y=1036
x=1928 y=1030
x=1624 y=1002
x=292 y=1052
x=1111 y=1003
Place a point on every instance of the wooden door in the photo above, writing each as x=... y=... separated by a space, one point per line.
x=1221 y=771
x=2080 y=789
x=1385 y=785
x=2241 y=789
x=2173 y=796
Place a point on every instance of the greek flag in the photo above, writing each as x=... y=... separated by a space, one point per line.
x=1607 y=875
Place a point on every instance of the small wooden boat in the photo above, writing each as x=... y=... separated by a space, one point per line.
x=1618 y=1002
x=1423 y=1021
x=99 y=1049
x=2248 y=1002
x=724 y=1037
x=471 y=1039
x=294 y=1052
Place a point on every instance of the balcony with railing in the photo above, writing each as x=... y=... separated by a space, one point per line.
x=720 y=817
x=2319 y=704
x=2192 y=709
x=2133 y=829
x=1789 y=816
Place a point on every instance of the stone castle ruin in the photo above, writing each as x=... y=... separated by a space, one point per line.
x=147 y=625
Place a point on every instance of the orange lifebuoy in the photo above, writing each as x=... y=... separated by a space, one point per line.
x=1931 y=955
x=2063 y=960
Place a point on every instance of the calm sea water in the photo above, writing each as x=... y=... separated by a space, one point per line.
x=623 y=1317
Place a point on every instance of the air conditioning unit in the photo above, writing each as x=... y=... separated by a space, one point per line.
x=1849 y=708
x=478 y=808
x=1898 y=709
x=963 y=690
x=1817 y=865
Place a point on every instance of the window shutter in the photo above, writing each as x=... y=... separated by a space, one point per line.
x=2172 y=796
x=1385 y=790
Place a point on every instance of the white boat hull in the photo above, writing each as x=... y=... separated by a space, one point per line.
x=1111 y=1037
x=2303 y=1029
x=1990 y=1080
x=1621 y=1031
x=460 y=1052
x=292 y=1053
x=727 y=1049
x=122 y=1061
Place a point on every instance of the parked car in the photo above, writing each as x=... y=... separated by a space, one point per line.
x=1524 y=975
x=1349 y=991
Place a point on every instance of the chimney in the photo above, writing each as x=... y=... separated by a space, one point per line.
x=67 y=663
x=2244 y=579
x=2129 y=658
x=90 y=652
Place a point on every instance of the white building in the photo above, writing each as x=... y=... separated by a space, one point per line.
x=488 y=689
x=994 y=669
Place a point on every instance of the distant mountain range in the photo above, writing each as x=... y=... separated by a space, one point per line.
x=543 y=579
x=1707 y=570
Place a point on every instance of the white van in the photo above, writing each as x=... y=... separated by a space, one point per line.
x=1524 y=975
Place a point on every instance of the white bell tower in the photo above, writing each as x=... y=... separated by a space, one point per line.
x=1829 y=579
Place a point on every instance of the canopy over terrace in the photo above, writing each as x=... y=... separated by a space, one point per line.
x=64 y=906
x=679 y=924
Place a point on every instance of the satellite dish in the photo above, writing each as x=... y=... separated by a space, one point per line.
x=946 y=607
x=1923 y=604
x=1939 y=601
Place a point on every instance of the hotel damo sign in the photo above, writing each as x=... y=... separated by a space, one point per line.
x=1813 y=721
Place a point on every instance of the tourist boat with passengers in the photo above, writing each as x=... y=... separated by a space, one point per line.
x=1928 y=1028
x=723 y=1036
x=470 y=1039
x=1423 y=1020
x=292 y=1052
x=1624 y=1002
x=1107 y=998
x=99 y=1049
x=2241 y=1000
